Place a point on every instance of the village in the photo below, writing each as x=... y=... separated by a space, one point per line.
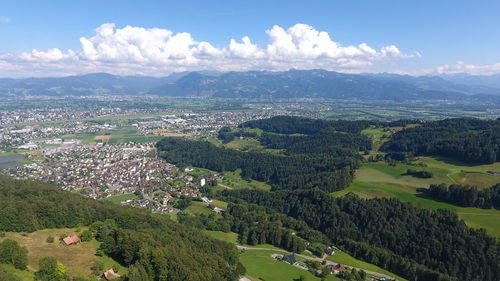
x=103 y=171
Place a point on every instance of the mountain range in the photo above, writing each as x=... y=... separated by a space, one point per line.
x=264 y=84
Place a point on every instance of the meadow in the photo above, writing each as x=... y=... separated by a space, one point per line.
x=261 y=266
x=120 y=198
x=382 y=180
x=78 y=259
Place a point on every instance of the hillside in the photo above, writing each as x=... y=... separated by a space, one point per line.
x=133 y=237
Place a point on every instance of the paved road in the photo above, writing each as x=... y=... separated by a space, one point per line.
x=313 y=259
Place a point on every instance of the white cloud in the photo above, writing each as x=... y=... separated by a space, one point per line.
x=462 y=67
x=157 y=51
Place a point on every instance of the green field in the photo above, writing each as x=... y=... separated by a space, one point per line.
x=229 y=237
x=346 y=259
x=381 y=180
x=120 y=135
x=234 y=180
x=244 y=144
x=261 y=266
x=197 y=208
x=377 y=135
x=120 y=198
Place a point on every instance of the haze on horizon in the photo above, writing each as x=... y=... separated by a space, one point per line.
x=156 y=38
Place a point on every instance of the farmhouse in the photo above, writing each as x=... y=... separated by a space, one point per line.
x=73 y=239
x=110 y=274
x=291 y=259
x=336 y=268
x=217 y=210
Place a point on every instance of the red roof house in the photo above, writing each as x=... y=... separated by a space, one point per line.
x=110 y=274
x=73 y=239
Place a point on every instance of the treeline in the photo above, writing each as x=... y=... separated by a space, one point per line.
x=281 y=171
x=307 y=126
x=465 y=139
x=256 y=225
x=412 y=242
x=162 y=249
x=465 y=196
x=419 y=174
x=327 y=141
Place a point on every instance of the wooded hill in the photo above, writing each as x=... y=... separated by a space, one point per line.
x=325 y=154
x=415 y=243
x=156 y=248
x=469 y=140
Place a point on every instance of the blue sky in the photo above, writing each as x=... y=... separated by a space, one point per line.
x=430 y=36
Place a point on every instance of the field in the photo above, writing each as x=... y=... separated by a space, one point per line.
x=381 y=180
x=120 y=198
x=346 y=259
x=339 y=257
x=229 y=237
x=234 y=180
x=261 y=266
x=197 y=208
x=120 y=135
x=77 y=258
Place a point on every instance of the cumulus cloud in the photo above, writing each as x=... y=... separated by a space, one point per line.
x=157 y=51
x=462 y=67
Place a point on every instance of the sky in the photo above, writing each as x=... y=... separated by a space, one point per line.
x=60 y=38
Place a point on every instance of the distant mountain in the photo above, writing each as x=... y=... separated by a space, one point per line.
x=488 y=81
x=318 y=84
x=254 y=84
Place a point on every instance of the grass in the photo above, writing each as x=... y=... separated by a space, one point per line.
x=346 y=259
x=77 y=258
x=244 y=144
x=382 y=180
x=229 y=237
x=24 y=275
x=24 y=161
x=197 y=208
x=234 y=180
x=261 y=266
x=378 y=136
x=120 y=198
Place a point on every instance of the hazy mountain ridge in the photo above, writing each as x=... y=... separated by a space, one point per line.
x=258 y=84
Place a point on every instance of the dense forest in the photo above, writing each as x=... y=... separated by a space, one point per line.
x=409 y=241
x=257 y=225
x=466 y=196
x=469 y=140
x=281 y=171
x=306 y=126
x=158 y=247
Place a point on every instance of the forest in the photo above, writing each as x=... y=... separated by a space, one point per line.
x=409 y=241
x=465 y=196
x=152 y=247
x=472 y=141
x=306 y=126
x=313 y=153
x=281 y=171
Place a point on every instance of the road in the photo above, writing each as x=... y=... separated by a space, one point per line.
x=327 y=262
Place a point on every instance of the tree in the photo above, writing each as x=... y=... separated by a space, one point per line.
x=12 y=253
x=86 y=235
x=97 y=268
x=137 y=273
x=50 y=239
x=51 y=270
